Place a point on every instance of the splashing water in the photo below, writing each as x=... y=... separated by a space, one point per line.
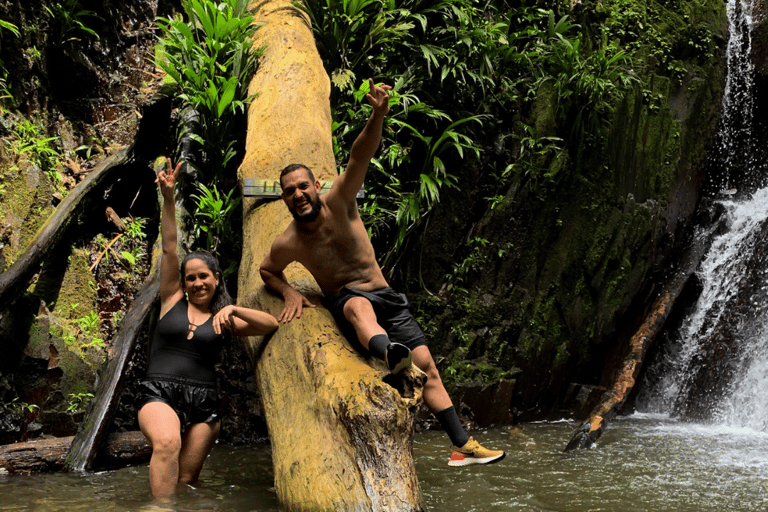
x=721 y=274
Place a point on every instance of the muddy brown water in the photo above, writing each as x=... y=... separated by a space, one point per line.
x=642 y=463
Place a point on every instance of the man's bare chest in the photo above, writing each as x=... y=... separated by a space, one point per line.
x=328 y=249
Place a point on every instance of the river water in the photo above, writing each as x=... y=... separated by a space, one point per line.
x=642 y=463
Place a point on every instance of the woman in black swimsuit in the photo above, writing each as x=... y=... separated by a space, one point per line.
x=180 y=415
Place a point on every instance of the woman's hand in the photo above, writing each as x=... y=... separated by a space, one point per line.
x=167 y=179
x=243 y=321
x=225 y=319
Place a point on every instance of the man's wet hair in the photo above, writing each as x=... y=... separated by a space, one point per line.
x=295 y=167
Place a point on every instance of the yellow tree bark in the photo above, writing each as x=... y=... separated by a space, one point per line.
x=341 y=430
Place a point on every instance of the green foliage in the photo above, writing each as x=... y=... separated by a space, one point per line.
x=134 y=230
x=210 y=60
x=348 y=31
x=18 y=407
x=217 y=225
x=535 y=157
x=78 y=401
x=473 y=59
x=37 y=148
x=67 y=22
x=4 y=92
x=89 y=324
x=585 y=84
x=88 y=330
x=129 y=257
x=86 y=151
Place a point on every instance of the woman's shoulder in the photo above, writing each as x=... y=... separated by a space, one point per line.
x=175 y=302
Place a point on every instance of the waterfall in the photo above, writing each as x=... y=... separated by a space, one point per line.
x=725 y=275
x=736 y=144
x=715 y=364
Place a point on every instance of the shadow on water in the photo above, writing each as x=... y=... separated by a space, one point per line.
x=645 y=463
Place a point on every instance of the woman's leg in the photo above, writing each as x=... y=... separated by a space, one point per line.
x=196 y=444
x=161 y=427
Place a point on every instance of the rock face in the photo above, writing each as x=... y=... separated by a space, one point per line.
x=555 y=281
x=341 y=433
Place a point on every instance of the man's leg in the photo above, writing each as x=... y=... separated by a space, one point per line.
x=465 y=450
x=437 y=399
x=359 y=312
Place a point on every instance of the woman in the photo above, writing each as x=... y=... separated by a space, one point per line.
x=180 y=415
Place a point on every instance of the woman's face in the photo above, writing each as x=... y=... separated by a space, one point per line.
x=199 y=282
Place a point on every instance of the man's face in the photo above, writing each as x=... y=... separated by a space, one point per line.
x=301 y=195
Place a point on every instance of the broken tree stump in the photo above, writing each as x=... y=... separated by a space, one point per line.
x=43 y=455
x=342 y=437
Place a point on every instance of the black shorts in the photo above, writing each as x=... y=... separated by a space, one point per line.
x=192 y=403
x=392 y=314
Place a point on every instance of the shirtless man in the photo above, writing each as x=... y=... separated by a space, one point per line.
x=328 y=237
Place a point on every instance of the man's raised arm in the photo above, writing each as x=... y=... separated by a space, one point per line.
x=364 y=148
x=271 y=271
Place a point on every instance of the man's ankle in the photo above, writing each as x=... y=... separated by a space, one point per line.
x=378 y=345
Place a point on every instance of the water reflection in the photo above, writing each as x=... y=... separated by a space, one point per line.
x=643 y=463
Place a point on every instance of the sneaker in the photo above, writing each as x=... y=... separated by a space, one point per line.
x=398 y=357
x=474 y=453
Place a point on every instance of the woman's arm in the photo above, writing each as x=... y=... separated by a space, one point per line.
x=171 y=290
x=244 y=321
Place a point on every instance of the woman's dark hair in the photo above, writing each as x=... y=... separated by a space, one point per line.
x=220 y=297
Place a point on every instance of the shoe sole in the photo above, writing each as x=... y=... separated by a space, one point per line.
x=398 y=358
x=468 y=461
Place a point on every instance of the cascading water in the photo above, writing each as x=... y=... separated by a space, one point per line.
x=736 y=145
x=715 y=365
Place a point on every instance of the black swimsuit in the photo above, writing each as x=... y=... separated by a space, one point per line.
x=181 y=371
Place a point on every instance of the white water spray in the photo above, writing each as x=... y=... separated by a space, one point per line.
x=720 y=275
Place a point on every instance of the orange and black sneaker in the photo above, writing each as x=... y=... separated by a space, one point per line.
x=474 y=453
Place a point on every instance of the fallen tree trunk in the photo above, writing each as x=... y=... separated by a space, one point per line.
x=341 y=436
x=121 y=449
x=95 y=425
x=14 y=280
x=624 y=380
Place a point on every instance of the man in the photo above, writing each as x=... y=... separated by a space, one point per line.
x=328 y=237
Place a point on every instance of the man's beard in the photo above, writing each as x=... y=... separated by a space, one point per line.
x=311 y=215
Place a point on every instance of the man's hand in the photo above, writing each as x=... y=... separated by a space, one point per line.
x=378 y=98
x=295 y=303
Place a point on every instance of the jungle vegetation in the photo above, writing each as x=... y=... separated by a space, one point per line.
x=498 y=108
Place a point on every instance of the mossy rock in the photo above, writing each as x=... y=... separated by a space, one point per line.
x=25 y=206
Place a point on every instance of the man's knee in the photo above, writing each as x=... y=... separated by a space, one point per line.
x=359 y=310
x=422 y=358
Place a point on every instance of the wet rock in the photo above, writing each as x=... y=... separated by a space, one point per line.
x=487 y=404
x=580 y=399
